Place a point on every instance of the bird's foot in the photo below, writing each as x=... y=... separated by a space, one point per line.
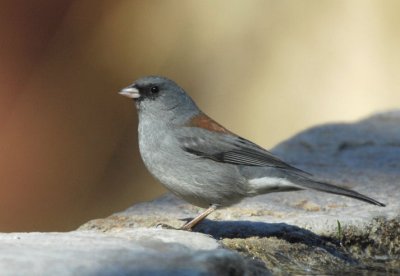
x=167 y=226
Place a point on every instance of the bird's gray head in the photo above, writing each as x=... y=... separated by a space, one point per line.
x=154 y=95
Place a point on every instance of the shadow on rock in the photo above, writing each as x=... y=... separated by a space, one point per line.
x=282 y=231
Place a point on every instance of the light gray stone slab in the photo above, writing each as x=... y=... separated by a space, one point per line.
x=129 y=252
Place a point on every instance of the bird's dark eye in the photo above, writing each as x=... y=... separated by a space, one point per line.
x=154 y=89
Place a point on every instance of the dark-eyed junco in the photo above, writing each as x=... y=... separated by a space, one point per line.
x=201 y=161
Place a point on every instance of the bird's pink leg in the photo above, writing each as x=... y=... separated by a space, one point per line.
x=188 y=226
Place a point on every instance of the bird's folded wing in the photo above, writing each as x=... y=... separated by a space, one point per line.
x=229 y=148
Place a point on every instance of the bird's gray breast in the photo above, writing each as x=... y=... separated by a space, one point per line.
x=197 y=180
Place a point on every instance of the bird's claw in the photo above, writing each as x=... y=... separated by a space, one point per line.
x=166 y=226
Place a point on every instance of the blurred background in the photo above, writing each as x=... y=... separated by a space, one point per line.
x=265 y=69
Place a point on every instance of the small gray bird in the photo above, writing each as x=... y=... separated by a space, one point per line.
x=202 y=162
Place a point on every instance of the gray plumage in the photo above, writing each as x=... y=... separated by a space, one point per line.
x=202 y=162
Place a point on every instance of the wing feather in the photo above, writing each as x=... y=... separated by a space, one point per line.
x=231 y=149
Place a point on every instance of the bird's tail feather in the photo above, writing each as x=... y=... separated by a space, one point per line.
x=329 y=188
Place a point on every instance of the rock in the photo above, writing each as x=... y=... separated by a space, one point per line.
x=129 y=252
x=304 y=232
x=364 y=156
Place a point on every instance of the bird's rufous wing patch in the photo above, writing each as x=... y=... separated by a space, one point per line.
x=203 y=121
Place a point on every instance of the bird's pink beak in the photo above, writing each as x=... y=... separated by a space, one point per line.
x=130 y=92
